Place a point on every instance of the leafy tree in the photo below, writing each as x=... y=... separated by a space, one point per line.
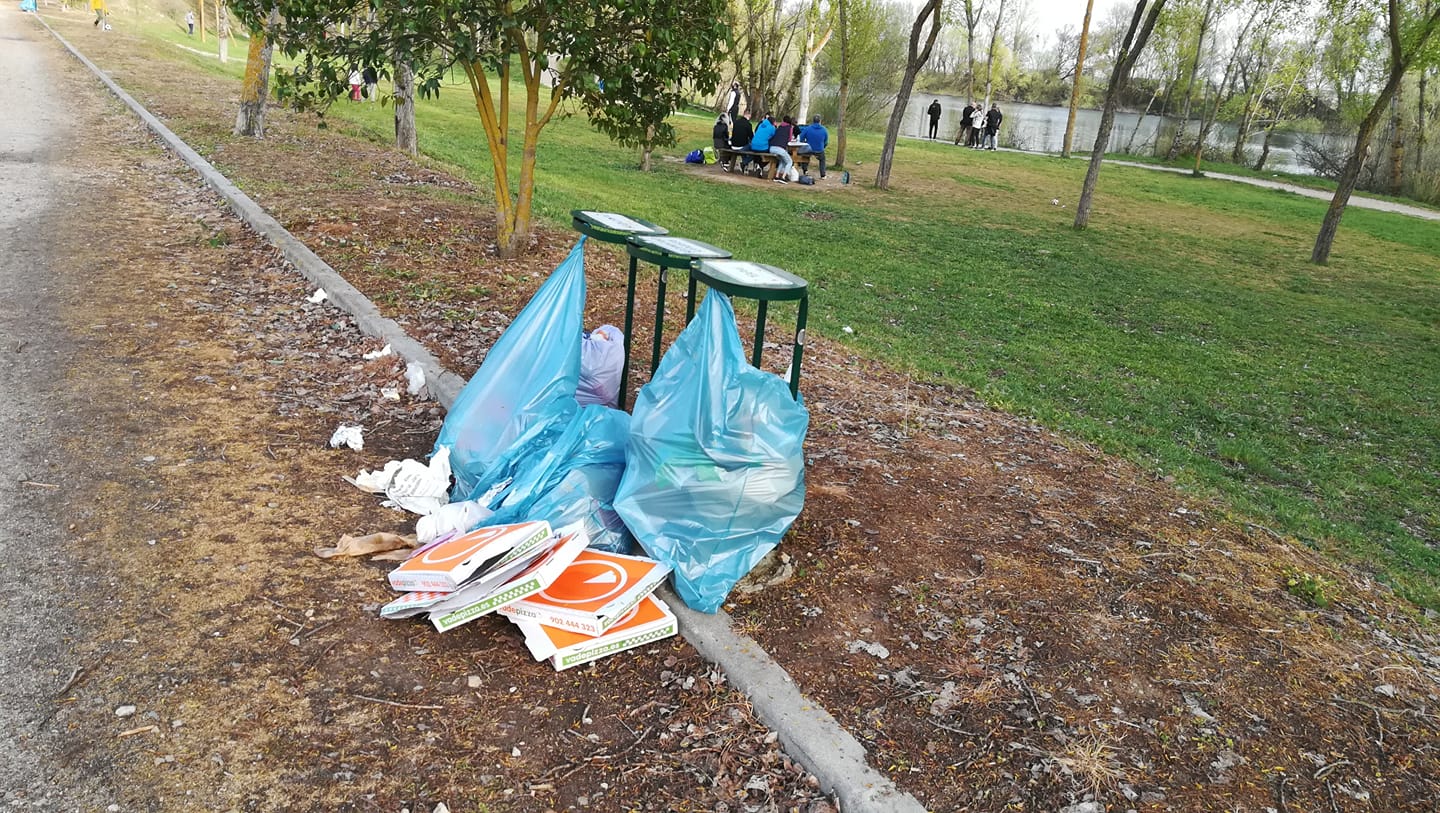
x=625 y=66
x=1411 y=41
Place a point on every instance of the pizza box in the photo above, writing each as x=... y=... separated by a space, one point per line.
x=426 y=600
x=446 y=566
x=593 y=593
x=469 y=605
x=648 y=621
x=412 y=604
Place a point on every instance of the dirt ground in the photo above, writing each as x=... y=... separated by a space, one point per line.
x=1008 y=619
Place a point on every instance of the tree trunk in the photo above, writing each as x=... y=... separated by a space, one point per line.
x=1075 y=89
x=255 y=90
x=405 y=109
x=1397 y=148
x=844 y=87
x=1419 y=160
x=972 y=21
x=201 y=4
x=1130 y=49
x=222 y=31
x=1222 y=92
x=807 y=71
x=1139 y=120
x=1265 y=147
x=1400 y=61
x=1174 y=150
x=915 y=60
x=990 y=58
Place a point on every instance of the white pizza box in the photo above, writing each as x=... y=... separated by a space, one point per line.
x=479 y=585
x=593 y=593
x=469 y=605
x=648 y=621
x=444 y=567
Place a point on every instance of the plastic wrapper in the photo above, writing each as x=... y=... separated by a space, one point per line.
x=715 y=467
x=525 y=388
x=602 y=360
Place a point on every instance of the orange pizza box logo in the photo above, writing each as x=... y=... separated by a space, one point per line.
x=446 y=566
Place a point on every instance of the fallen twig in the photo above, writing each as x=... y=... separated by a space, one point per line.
x=38 y=484
x=144 y=729
x=398 y=704
x=74 y=676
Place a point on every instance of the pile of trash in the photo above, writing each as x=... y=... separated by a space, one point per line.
x=538 y=487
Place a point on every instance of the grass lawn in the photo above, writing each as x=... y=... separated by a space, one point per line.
x=1184 y=329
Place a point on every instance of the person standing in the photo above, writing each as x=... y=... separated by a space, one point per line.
x=357 y=81
x=933 y=111
x=740 y=135
x=816 y=137
x=371 y=78
x=765 y=141
x=963 y=134
x=977 y=126
x=992 y=126
x=731 y=110
x=190 y=22
x=98 y=6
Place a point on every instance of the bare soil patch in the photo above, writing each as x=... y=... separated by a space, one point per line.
x=1008 y=619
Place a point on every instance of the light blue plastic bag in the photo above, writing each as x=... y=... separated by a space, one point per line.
x=715 y=472
x=525 y=388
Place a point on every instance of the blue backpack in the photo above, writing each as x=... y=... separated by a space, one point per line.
x=695 y=157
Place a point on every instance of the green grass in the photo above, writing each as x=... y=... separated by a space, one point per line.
x=1184 y=330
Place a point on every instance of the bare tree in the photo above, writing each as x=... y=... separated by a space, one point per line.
x=812 y=50
x=405 y=108
x=1079 y=72
x=990 y=57
x=1404 y=50
x=1131 y=46
x=1207 y=18
x=914 y=61
x=1221 y=94
x=971 y=12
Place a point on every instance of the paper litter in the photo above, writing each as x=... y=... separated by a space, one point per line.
x=376 y=354
x=370 y=543
x=415 y=378
x=348 y=435
x=317 y=297
x=410 y=484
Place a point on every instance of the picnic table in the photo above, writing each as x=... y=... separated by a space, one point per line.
x=769 y=162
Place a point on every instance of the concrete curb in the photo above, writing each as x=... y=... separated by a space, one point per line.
x=809 y=733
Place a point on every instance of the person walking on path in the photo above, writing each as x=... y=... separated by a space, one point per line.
x=992 y=126
x=816 y=137
x=98 y=6
x=933 y=111
x=963 y=134
x=190 y=22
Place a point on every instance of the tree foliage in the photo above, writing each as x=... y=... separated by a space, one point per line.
x=625 y=66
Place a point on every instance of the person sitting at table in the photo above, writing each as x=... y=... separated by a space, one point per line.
x=765 y=141
x=816 y=137
x=784 y=131
x=720 y=135
x=740 y=135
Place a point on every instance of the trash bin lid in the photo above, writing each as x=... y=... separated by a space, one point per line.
x=749 y=279
x=611 y=227
x=671 y=251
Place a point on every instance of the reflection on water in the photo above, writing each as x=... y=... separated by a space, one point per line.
x=1041 y=128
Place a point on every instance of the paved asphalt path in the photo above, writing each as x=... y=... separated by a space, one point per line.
x=41 y=176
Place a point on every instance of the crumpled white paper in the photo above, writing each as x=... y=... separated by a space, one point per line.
x=457 y=517
x=378 y=354
x=317 y=297
x=415 y=376
x=410 y=484
x=348 y=435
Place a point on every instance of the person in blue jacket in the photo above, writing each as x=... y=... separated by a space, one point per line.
x=816 y=137
x=764 y=133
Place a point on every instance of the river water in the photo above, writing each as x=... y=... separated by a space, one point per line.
x=1041 y=128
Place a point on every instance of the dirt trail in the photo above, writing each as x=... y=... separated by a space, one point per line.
x=1008 y=620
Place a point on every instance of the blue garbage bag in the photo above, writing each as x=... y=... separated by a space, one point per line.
x=594 y=436
x=525 y=388
x=715 y=469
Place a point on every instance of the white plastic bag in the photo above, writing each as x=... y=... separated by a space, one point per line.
x=602 y=359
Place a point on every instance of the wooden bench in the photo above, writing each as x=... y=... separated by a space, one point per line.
x=768 y=163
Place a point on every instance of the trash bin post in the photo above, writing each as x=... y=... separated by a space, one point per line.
x=668 y=252
x=611 y=227
x=765 y=284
